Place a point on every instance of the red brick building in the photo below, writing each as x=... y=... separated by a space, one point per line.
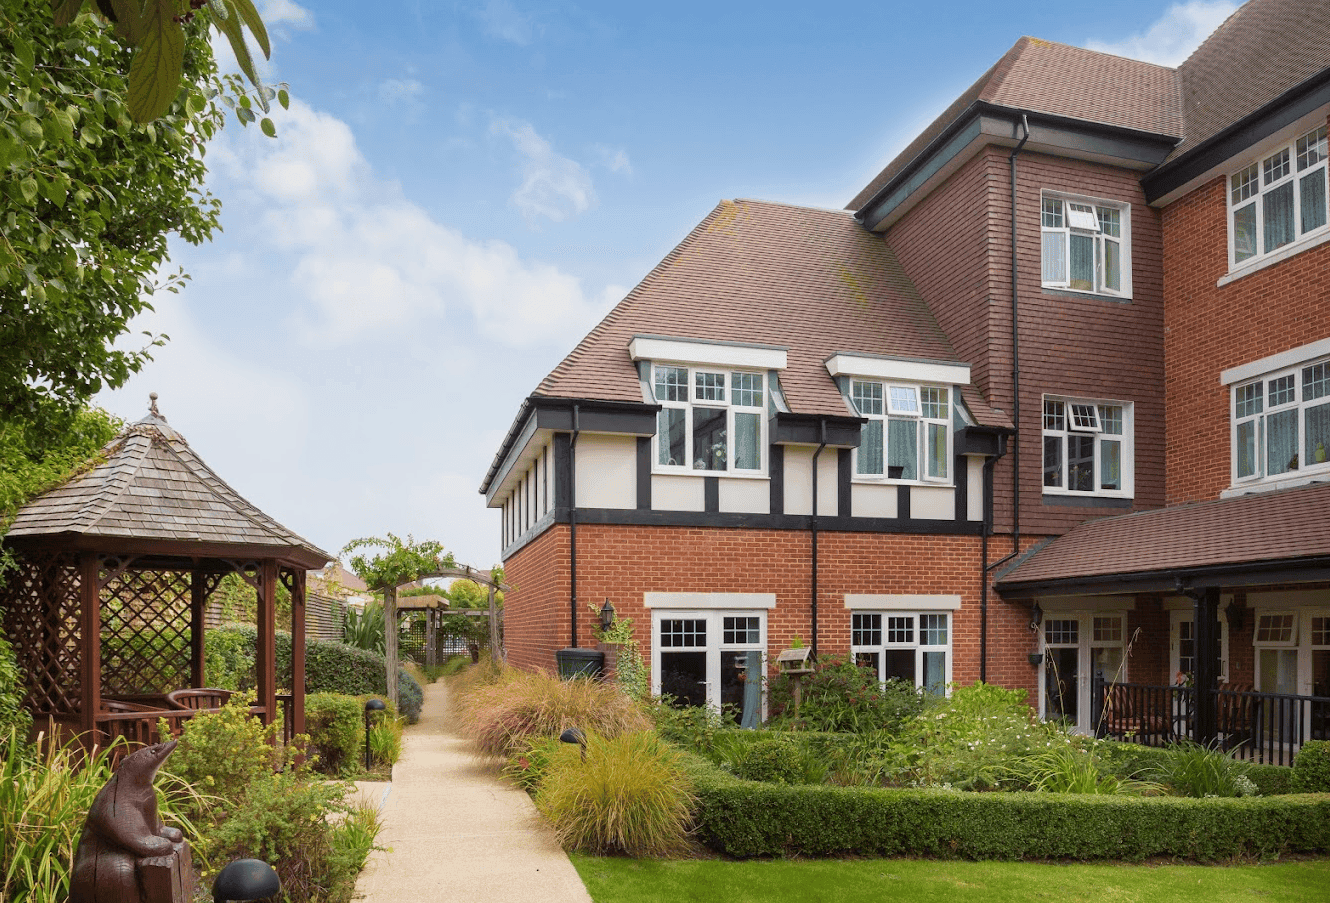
x=1017 y=414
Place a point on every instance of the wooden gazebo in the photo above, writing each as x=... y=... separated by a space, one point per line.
x=106 y=609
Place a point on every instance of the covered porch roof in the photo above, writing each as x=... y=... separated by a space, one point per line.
x=1251 y=540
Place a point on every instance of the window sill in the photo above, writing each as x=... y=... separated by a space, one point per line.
x=1077 y=500
x=859 y=480
x=1320 y=476
x=724 y=474
x=1255 y=266
x=1059 y=292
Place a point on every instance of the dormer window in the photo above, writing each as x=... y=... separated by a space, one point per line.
x=908 y=434
x=710 y=420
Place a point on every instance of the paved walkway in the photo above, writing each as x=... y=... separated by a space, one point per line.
x=456 y=831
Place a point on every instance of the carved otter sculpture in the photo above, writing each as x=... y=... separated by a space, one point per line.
x=125 y=853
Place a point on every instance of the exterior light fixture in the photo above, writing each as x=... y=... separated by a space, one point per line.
x=374 y=704
x=575 y=735
x=1036 y=617
x=607 y=615
x=246 y=879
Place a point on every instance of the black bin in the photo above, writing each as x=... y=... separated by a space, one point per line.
x=580 y=662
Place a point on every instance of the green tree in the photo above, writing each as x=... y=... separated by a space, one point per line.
x=88 y=199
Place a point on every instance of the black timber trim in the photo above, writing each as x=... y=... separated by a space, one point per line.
x=844 y=482
x=711 y=494
x=990 y=441
x=1076 y=501
x=537 y=529
x=843 y=431
x=644 y=473
x=961 y=480
x=1239 y=137
x=563 y=470
x=1074 y=136
x=1226 y=576
x=902 y=502
x=776 y=473
x=632 y=517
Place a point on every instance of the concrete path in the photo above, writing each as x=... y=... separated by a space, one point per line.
x=456 y=831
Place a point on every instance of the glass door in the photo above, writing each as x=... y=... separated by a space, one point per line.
x=1077 y=648
x=711 y=658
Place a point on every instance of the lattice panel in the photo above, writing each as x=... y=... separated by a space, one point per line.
x=40 y=602
x=411 y=640
x=145 y=632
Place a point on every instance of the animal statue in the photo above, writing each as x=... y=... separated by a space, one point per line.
x=125 y=854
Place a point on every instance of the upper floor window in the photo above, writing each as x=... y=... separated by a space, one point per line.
x=1085 y=245
x=1281 y=423
x=1087 y=447
x=1278 y=199
x=908 y=434
x=709 y=420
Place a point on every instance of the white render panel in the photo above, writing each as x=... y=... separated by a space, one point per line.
x=799 y=480
x=974 y=499
x=932 y=503
x=670 y=493
x=872 y=500
x=606 y=471
x=719 y=354
x=745 y=496
x=898 y=368
x=884 y=602
x=709 y=600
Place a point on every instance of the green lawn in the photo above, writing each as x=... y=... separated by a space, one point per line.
x=612 y=880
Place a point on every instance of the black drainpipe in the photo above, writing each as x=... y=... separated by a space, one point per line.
x=822 y=435
x=1015 y=359
x=983 y=574
x=572 y=523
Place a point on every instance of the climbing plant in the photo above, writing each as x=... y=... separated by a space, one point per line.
x=400 y=562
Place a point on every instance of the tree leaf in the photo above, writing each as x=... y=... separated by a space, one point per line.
x=234 y=31
x=154 y=76
x=23 y=53
x=28 y=188
x=284 y=99
x=255 y=23
x=66 y=11
x=268 y=128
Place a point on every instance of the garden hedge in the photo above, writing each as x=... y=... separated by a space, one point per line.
x=745 y=819
x=336 y=732
x=329 y=668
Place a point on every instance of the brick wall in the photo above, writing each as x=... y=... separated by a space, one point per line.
x=1210 y=328
x=622 y=563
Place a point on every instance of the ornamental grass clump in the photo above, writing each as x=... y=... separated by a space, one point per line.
x=630 y=796
x=1191 y=769
x=501 y=716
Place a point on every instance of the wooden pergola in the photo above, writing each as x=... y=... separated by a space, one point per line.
x=106 y=609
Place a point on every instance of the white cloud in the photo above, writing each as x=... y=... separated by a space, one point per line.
x=504 y=21
x=366 y=261
x=286 y=12
x=553 y=186
x=401 y=91
x=615 y=159
x=1173 y=37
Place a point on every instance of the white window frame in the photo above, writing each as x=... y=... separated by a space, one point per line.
x=1097 y=427
x=906 y=402
x=915 y=643
x=1253 y=402
x=1250 y=187
x=1062 y=216
x=733 y=410
x=1179 y=616
x=715 y=647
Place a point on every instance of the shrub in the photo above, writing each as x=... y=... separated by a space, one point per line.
x=385 y=740
x=1311 y=768
x=1194 y=770
x=630 y=796
x=336 y=731
x=501 y=716
x=843 y=697
x=363 y=628
x=221 y=753
x=691 y=727
x=228 y=658
x=13 y=717
x=777 y=759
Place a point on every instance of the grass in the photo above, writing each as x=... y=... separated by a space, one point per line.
x=617 y=880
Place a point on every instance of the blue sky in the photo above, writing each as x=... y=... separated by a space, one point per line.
x=461 y=190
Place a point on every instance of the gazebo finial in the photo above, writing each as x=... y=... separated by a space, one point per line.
x=152 y=407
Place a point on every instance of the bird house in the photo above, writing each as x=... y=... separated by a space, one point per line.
x=794 y=661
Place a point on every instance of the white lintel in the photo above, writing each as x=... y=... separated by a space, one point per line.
x=1280 y=361
x=709 y=600
x=717 y=354
x=915 y=602
x=911 y=370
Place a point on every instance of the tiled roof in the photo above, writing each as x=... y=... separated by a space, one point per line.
x=1261 y=51
x=1045 y=77
x=1251 y=529
x=151 y=486
x=812 y=281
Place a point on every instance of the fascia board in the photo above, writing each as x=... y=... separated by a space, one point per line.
x=720 y=354
x=878 y=367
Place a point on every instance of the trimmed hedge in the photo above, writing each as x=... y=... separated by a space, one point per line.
x=1311 y=768
x=746 y=819
x=336 y=732
x=333 y=668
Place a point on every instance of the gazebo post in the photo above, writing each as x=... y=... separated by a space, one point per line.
x=198 y=598
x=267 y=651
x=90 y=642
x=390 y=640
x=297 y=588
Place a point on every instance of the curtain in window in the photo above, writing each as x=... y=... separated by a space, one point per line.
x=1247 y=448
x=1312 y=188
x=1278 y=211
x=935 y=673
x=1318 y=434
x=937 y=450
x=1112 y=265
x=1055 y=257
x=870 y=448
x=747 y=441
x=1082 y=262
x=903 y=448
x=1053 y=461
x=1110 y=467
x=1244 y=233
x=673 y=437
x=1281 y=442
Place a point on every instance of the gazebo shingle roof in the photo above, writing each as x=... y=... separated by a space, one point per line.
x=150 y=486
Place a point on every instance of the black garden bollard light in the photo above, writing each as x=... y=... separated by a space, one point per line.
x=245 y=879
x=371 y=705
x=575 y=735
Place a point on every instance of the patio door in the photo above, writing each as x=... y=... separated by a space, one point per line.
x=702 y=658
x=1078 y=647
x=1182 y=646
